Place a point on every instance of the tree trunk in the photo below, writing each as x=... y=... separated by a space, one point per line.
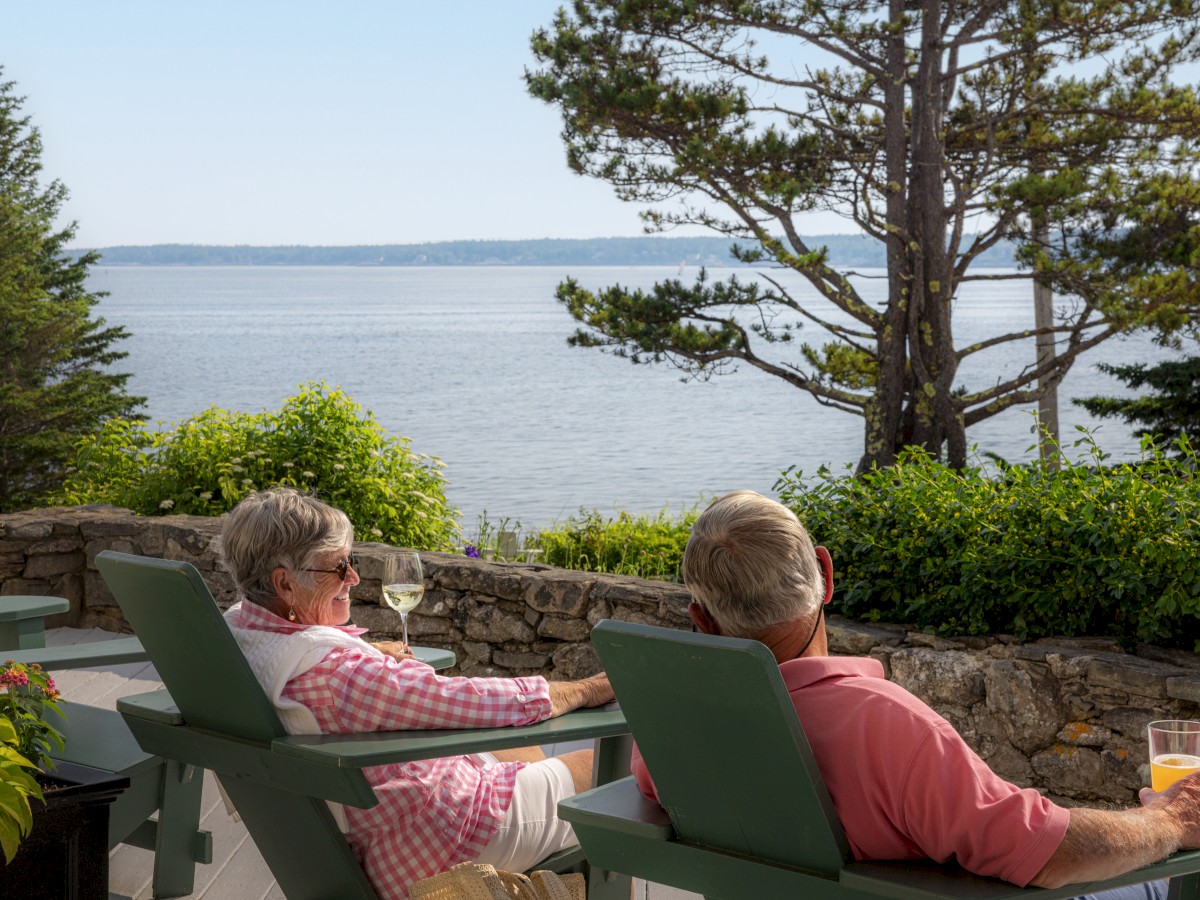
x=1043 y=309
x=884 y=412
x=936 y=420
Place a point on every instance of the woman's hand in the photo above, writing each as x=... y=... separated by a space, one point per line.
x=397 y=650
x=568 y=695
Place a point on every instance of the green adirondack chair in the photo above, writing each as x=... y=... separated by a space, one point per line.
x=747 y=814
x=100 y=739
x=214 y=715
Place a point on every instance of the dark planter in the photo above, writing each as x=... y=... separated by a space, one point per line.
x=65 y=855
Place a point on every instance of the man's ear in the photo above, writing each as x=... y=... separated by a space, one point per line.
x=701 y=619
x=827 y=565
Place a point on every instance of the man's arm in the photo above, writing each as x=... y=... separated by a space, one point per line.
x=568 y=695
x=1101 y=844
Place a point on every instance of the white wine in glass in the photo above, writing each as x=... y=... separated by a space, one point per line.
x=403 y=583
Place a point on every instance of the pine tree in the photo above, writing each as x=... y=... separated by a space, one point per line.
x=55 y=383
x=1171 y=408
x=939 y=129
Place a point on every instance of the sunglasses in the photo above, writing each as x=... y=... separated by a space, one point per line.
x=342 y=569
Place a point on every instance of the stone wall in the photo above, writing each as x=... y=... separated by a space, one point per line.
x=1067 y=716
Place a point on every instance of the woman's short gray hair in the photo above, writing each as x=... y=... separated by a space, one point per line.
x=280 y=526
x=750 y=564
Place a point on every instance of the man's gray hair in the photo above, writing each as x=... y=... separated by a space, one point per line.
x=750 y=564
x=280 y=526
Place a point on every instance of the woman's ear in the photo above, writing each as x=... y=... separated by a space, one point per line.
x=827 y=566
x=284 y=583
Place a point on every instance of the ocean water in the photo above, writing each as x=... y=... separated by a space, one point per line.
x=473 y=366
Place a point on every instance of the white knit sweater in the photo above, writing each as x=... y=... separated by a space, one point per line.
x=277 y=658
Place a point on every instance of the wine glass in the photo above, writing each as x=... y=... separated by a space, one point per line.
x=403 y=583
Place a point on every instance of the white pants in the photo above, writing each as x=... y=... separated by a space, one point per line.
x=532 y=830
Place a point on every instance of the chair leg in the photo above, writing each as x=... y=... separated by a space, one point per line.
x=179 y=843
x=610 y=763
x=605 y=885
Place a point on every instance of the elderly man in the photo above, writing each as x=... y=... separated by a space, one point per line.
x=916 y=790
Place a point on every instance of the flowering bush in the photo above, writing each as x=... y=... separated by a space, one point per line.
x=26 y=693
x=319 y=440
x=640 y=545
x=26 y=739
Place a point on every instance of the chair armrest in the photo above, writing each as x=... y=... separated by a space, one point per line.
x=25 y=607
x=622 y=830
x=435 y=656
x=159 y=729
x=622 y=807
x=84 y=656
x=153 y=706
x=21 y=625
x=130 y=649
x=377 y=748
x=330 y=766
x=922 y=880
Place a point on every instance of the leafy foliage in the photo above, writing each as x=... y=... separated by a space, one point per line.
x=55 y=378
x=17 y=785
x=1169 y=411
x=939 y=130
x=319 y=440
x=639 y=545
x=1090 y=549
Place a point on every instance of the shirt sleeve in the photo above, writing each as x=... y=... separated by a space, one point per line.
x=642 y=775
x=370 y=692
x=954 y=806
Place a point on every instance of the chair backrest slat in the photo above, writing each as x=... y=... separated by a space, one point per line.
x=174 y=615
x=702 y=707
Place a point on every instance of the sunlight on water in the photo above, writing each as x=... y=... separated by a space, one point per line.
x=472 y=364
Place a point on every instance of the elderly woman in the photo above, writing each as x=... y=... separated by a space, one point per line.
x=291 y=558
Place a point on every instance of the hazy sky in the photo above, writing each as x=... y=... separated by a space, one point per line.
x=299 y=122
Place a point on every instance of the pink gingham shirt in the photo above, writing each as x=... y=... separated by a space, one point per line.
x=431 y=813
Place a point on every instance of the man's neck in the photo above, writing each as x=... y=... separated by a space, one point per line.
x=787 y=639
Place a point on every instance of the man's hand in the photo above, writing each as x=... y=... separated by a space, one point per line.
x=1181 y=801
x=397 y=650
x=1102 y=844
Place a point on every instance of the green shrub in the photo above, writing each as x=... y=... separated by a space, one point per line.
x=640 y=545
x=319 y=439
x=1090 y=549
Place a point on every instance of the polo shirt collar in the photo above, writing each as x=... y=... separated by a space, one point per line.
x=802 y=673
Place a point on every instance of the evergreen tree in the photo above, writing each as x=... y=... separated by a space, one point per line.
x=1169 y=411
x=54 y=357
x=937 y=128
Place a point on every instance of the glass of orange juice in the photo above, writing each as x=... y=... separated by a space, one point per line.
x=1174 y=751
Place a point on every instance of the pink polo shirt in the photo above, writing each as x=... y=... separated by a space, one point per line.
x=904 y=784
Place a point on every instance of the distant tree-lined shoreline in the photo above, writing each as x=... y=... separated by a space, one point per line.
x=844 y=250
